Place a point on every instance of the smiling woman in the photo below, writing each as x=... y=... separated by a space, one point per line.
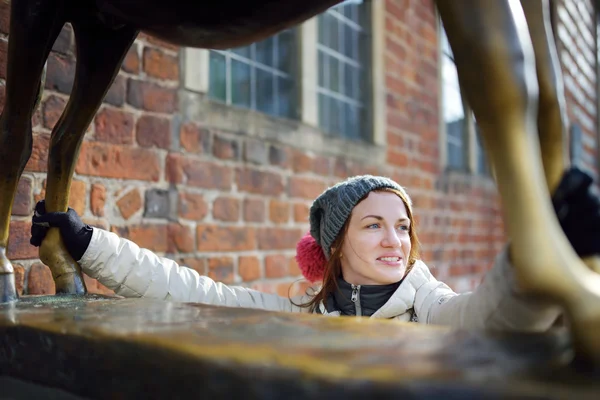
x=362 y=247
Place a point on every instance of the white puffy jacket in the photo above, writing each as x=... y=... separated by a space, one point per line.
x=131 y=271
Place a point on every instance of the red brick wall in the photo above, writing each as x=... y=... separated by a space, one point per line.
x=232 y=206
x=576 y=33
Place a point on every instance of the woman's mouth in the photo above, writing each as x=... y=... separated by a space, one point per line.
x=392 y=261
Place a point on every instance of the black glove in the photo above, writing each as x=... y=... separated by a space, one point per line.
x=577 y=206
x=75 y=234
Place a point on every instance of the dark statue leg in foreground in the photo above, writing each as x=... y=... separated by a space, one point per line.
x=33 y=29
x=100 y=52
x=495 y=61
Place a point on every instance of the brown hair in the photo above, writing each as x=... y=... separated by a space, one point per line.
x=333 y=268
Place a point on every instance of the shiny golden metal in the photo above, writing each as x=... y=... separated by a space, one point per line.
x=497 y=46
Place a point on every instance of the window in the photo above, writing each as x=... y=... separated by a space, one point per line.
x=464 y=149
x=344 y=66
x=260 y=76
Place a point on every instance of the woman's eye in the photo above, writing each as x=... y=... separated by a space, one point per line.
x=372 y=226
x=403 y=227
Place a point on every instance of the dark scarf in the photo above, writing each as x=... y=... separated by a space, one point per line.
x=371 y=298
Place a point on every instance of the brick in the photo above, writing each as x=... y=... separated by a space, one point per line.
x=52 y=108
x=113 y=161
x=18 y=241
x=114 y=126
x=116 y=92
x=159 y=65
x=293 y=268
x=249 y=268
x=64 y=41
x=153 y=131
x=254 y=210
x=157 y=203
x=226 y=209
x=60 y=73
x=256 y=152
x=196 y=173
x=197 y=264
x=22 y=202
x=275 y=266
x=131 y=63
x=306 y=188
x=180 y=239
x=301 y=162
x=194 y=139
x=225 y=238
x=97 y=199
x=2 y=95
x=221 y=269
x=279 y=211
x=396 y=158
x=279 y=156
x=39 y=280
x=301 y=212
x=192 y=206
x=130 y=203
x=322 y=166
x=3 y=58
x=77 y=196
x=259 y=182
x=152 y=237
x=158 y=42
x=19 y=278
x=278 y=238
x=38 y=161
x=151 y=97
x=226 y=149
x=4 y=16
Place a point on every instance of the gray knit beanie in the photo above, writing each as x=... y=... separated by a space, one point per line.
x=332 y=208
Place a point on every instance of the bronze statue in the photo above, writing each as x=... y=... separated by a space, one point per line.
x=496 y=43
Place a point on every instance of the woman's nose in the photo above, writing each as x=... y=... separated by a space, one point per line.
x=391 y=239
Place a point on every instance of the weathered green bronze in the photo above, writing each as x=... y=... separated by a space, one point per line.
x=98 y=347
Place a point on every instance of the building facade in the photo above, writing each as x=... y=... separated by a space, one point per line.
x=212 y=157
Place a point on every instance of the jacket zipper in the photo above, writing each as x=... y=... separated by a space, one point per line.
x=356 y=299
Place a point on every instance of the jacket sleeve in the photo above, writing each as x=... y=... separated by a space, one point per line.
x=131 y=271
x=496 y=303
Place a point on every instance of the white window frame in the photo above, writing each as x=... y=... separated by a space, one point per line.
x=196 y=72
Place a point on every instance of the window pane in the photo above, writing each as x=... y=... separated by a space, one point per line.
x=218 y=76
x=264 y=52
x=342 y=68
x=243 y=51
x=324 y=116
x=265 y=99
x=240 y=83
x=286 y=98
x=334 y=74
x=260 y=76
x=285 y=52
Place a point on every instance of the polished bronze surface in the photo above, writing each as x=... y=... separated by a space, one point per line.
x=496 y=61
x=100 y=347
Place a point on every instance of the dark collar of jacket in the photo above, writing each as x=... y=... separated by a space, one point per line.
x=361 y=300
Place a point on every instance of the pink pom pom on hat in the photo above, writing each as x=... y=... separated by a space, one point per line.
x=310 y=258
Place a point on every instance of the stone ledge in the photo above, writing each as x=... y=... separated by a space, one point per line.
x=101 y=347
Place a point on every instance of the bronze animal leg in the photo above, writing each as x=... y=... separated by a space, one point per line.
x=552 y=110
x=495 y=61
x=100 y=52
x=33 y=29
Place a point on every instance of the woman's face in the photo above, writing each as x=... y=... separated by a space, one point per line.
x=377 y=244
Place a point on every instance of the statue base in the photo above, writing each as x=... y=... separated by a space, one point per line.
x=99 y=347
